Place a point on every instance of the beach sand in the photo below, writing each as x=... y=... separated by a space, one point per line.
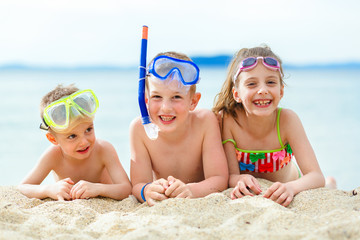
x=313 y=214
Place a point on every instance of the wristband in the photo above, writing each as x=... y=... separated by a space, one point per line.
x=142 y=192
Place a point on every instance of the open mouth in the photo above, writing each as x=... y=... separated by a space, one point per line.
x=167 y=118
x=83 y=150
x=262 y=102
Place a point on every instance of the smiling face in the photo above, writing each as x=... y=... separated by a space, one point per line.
x=169 y=104
x=78 y=142
x=259 y=90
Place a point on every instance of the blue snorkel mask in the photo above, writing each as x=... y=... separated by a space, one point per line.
x=163 y=68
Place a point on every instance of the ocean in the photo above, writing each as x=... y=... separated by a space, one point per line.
x=325 y=100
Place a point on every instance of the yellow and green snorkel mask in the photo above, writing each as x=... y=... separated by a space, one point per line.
x=57 y=114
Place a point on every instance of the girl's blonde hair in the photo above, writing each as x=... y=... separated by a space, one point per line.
x=224 y=101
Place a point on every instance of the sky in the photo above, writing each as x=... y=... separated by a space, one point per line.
x=108 y=32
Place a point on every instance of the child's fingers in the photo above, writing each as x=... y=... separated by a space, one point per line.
x=152 y=197
x=184 y=194
x=253 y=185
x=164 y=183
x=156 y=188
x=235 y=193
x=79 y=193
x=150 y=202
x=287 y=201
x=257 y=185
x=75 y=191
x=69 y=181
x=173 y=189
x=63 y=196
x=171 y=180
x=269 y=192
x=244 y=189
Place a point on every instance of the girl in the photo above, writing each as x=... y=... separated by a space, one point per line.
x=260 y=139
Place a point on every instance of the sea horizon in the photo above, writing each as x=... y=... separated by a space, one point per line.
x=218 y=61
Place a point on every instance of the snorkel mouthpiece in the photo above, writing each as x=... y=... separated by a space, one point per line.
x=150 y=128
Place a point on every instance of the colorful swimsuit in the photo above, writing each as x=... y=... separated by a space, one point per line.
x=265 y=161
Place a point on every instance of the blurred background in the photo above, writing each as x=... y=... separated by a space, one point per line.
x=96 y=44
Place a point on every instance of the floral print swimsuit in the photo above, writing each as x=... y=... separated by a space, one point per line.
x=265 y=161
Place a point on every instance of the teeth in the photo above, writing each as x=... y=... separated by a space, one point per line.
x=166 y=118
x=262 y=102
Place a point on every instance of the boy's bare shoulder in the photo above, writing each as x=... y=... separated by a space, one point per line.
x=52 y=155
x=135 y=124
x=204 y=116
x=103 y=144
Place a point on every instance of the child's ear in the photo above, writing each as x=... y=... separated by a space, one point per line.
x=282 y=91
x=236 y=95
x=51 y=138
x=195 y=100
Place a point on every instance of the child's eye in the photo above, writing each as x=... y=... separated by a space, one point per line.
x=72 y=136
x=177 y=97
x=89 y=129
x=271 y=82
x=251 y=84
x=156 y=96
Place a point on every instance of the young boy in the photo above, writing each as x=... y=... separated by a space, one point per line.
x=83 y=166
x=187 y=159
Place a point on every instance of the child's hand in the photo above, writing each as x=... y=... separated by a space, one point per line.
x=61 y=189
x=177 y=189
x=245 y=183
x=155 y=191
x=84 y=190
x=280 y=193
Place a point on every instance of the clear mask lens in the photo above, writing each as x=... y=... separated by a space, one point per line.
x=57 y=114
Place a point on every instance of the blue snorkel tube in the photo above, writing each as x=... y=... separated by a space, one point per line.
x=150 y=128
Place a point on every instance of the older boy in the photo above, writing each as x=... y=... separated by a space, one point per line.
x=83 y=166
x=187 y=159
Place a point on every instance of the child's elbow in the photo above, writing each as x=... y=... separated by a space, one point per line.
x=223 y=181
x=127 y=190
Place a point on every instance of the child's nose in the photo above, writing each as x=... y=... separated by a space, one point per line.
x=263 y=90
x=84 y=140
x=166 y=106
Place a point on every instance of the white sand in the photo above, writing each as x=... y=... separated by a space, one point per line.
x=314 y=214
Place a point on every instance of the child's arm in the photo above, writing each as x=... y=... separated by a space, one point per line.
x=213 y=157
x=141 y=173
x=313 y=178
x=121 y=186
x=241 y=183
x=31 y=187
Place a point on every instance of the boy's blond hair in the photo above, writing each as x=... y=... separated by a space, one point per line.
x=173 y=55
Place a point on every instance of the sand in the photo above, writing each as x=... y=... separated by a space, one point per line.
x=313 y=214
